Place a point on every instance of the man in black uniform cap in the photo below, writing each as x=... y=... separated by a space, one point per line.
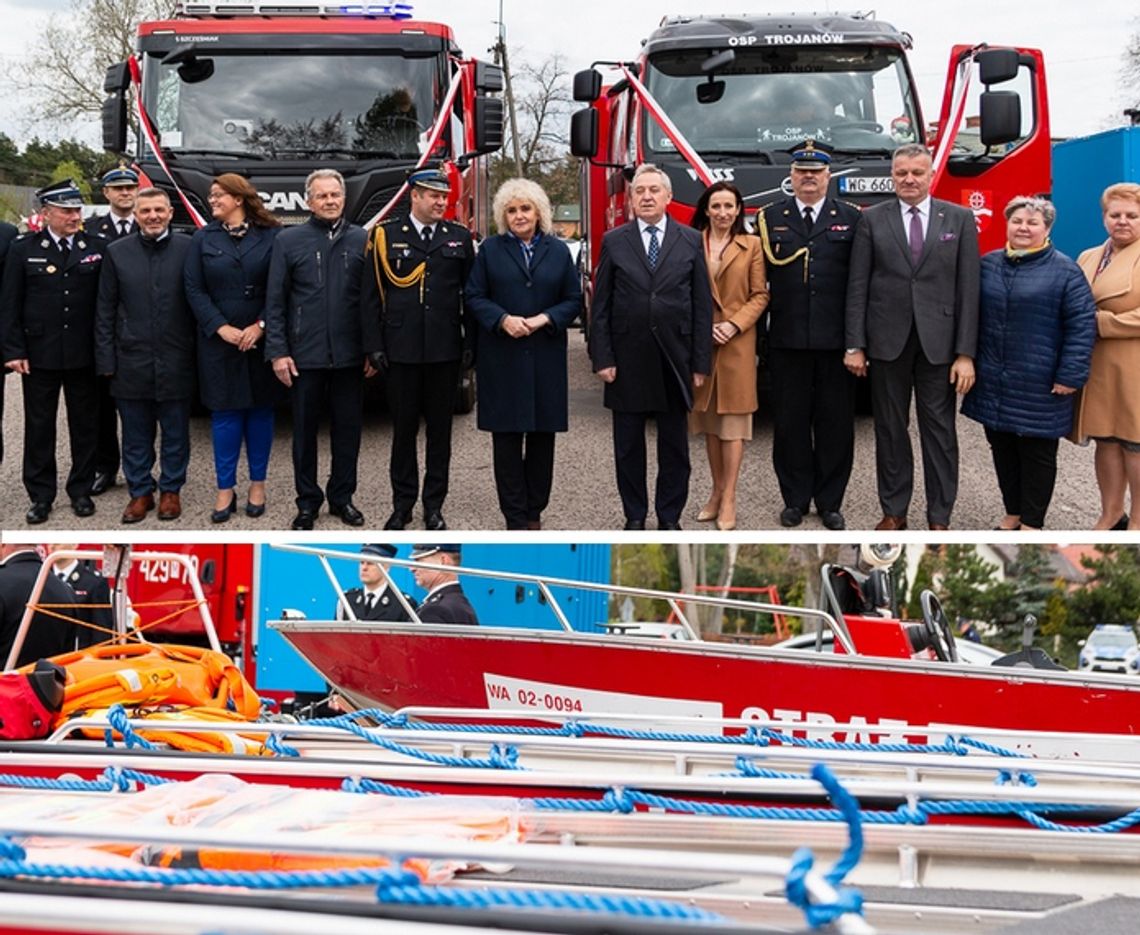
x=375 y=600
x=48 y=635
x=120 y=188
x=47 y=311
x=807 y=245
x=412 y=299
x=445 y=601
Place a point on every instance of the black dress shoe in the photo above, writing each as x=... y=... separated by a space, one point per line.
x=634 y=525
x=435 y=521
x=38 y=513
x=668 y=525
x=104 y=481
x=398 y=520
x=791 y=516
x=83 y=506
x=833 y=519
x=349 y=515
x=1120 y=525
x=223 y=515
x=304 y=519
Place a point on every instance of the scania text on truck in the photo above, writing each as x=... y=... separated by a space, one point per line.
x=272 y=89
x=730 y=97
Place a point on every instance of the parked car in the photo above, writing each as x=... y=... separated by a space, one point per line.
x=1110 y=647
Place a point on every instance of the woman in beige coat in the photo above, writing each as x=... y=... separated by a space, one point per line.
x=1109 y=407
x=724 y=404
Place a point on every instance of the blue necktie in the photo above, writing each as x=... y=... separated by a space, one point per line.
x=654 y=246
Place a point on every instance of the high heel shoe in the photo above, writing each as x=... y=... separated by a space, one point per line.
x=709 y=512
x=223 y=515
x=254 y=510
x=1120 y=525
x=726 y=519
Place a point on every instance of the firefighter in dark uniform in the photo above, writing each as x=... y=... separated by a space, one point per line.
x=48 y=635
x=375 y=600
x=812 y=393
x=445 y=601
x=120 y=188
x=47 y=311
x=92 y=594
x=412 y=302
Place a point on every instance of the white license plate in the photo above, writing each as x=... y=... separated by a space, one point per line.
x=866 y=185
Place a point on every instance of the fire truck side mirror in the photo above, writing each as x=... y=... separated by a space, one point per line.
x=488 y=124
x=584 y=133
x=1000 y=117
x=115 y=84
x=587 y=85
x=209 y=572
x=997 y=65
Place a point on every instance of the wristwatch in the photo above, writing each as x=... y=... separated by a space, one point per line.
x=852 y=350
x=261 y=323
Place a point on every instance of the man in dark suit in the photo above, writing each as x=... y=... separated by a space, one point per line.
x=445 y=601
x=120 y=188
x=807 y=245
x=912 y=323
x=412 y=297
x=47 y=310
x=8 y=233
x=651 y=343
x=48 y=635
x=92 y=595
x=145 y=342
x=374 y=600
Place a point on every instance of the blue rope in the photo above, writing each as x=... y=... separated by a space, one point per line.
x=118 y=719
x=747 y=767
x=410 y=891
x=275 y=744
x=353 y=784
x=112 y=779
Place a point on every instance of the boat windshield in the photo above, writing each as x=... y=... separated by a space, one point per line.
x=299 y=105
x=857 y=99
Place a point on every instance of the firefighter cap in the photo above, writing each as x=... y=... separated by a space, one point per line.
x=380 y=550
x=63 y=194
x=434 y=179
x=811 y=155
x=426 y=549
x=120 y=175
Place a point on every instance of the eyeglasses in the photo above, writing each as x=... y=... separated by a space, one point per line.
x=218 y=196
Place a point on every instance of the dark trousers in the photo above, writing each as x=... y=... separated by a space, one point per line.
x=142 y=419
x=1026 y=470
x=41 y=405
x=418 y=391
x=813 y=416
x=524 y=474
x=340 y=392
x=893 y=382
x=107 y=446
x=228 y=429
x=672 y=459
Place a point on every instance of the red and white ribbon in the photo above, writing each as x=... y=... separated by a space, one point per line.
x=692 y=157
x=950 y=132
x=434 y=135
x=152 y=139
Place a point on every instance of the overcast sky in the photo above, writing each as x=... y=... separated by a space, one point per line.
x=1083 y=42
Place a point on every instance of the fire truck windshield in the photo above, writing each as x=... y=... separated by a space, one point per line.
x=858 y=99
x=292 y=105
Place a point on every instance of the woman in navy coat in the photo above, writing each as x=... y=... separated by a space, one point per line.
x=226 y=273
x=1037 y=324
x=524 y=293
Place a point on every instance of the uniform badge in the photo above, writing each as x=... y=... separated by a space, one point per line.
x=50 y=269
x=45 y=243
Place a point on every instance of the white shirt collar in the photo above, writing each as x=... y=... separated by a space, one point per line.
x=816 y=209
x=59 y=239
x=660 y=225
x=438 y=588
x=420 y=225
x=64 y=571
x=923 y=207
x=378 y=591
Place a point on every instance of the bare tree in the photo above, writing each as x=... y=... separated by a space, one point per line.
x=1130 y=70
x=79 y=45
x=693 y=565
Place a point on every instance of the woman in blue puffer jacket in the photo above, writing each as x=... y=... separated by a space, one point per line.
x=1036 y=331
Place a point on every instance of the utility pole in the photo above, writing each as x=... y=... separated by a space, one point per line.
x=500 y=50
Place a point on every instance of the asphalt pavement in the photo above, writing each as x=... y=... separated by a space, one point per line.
x=585 y=491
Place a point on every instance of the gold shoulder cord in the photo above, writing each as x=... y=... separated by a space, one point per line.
x=784 y=261
x=380 y=268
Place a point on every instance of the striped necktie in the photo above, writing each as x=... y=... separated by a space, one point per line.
x=654 y=246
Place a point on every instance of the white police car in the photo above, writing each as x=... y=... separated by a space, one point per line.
x=1111 y=647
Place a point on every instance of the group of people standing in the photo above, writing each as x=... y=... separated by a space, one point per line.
x=128 y=309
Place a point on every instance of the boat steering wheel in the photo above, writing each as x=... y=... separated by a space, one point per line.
x=938 y=628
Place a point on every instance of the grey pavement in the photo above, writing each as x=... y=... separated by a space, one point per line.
x=585 y=495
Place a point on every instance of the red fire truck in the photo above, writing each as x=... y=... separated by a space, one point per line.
x=272 y=89
x=730 y=97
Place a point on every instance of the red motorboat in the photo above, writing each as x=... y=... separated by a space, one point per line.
x=887 y=680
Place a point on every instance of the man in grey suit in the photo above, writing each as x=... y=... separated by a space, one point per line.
x=912 y=323
x=651 y=343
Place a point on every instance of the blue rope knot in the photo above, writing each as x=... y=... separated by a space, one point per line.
x=504 y=757
x=912 y=815
x=394 y=881
x=118 y=719
x=10 y=850
x=617 y=799
x=757 y=735
x=117 y=780
x=573 y=729
x=817 y=914
x=274 y=743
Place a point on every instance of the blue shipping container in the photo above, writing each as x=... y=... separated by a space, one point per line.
x=1082 y=169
